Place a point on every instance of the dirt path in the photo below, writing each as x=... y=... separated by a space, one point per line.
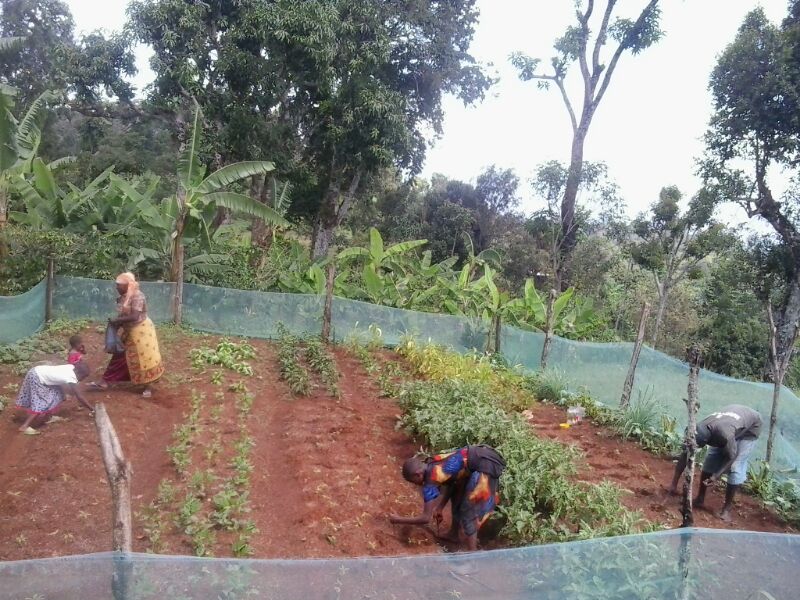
x=331 y=474
x=646 y=476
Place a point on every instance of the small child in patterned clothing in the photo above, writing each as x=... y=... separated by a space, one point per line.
x=45 y=387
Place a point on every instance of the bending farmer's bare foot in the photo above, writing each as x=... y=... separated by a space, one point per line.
x=726 y=516
x=450 y=536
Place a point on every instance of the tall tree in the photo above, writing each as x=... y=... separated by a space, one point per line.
x=496 y=190
x=48 y=28
x=755 y=128
x=600 y=195
x=333 y=90
x=672 y=245
x=582 y=44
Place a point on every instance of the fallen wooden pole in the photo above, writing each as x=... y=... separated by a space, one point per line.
x=118 y=471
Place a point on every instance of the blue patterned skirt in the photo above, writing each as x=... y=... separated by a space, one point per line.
x=37 y=398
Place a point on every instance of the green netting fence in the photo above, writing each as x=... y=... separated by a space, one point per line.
x=680 y=564
x=600 y=368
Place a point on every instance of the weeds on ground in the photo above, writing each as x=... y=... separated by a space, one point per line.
x=549 y=385
x=152 y=516
x=294 y=373
x=53 y=339
x=781 y=494
x=231 y=355
x=320 y=360
x=4 y=402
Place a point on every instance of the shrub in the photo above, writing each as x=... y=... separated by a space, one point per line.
x=540 y=502
x=549 y=385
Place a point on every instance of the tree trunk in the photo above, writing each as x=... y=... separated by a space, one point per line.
x=568 y=227
x=3 y=222
x=177 y=261
x=260 y=234
x=327 y=311
x=663 y=293
x=331 y=214
x=693 y=357
x=51 y=276
x=637 y=349
x=548 y=333
x=325 y=223
x=780 y=364
x=789 y=318
x=498 y=324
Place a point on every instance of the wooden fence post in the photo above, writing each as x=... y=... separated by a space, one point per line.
x=177 y=296
x=326 y=313
x=498 y=323
x=780 y=364
x=693 y=357
x=118 y=471
x=637 y=349
x=549 y=326
x=50 y=287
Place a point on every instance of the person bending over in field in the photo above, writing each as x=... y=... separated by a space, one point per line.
x=45 y=387
x=731 y=434
x=467 y=478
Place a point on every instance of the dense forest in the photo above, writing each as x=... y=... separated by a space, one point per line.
x=280 y=136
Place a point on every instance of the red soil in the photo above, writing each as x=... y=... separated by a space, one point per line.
x=646 y=476
x=327 y=471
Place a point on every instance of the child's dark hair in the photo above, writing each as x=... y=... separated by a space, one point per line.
x=75 y=341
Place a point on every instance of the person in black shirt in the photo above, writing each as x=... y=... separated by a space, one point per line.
x=731 y=434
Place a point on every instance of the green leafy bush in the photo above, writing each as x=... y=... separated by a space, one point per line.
x=230 y=355
x=549 y=385
x=540 y=501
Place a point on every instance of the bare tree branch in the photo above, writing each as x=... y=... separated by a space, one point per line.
x=602 y=36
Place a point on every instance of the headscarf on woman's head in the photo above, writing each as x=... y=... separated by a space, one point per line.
x=133 y=286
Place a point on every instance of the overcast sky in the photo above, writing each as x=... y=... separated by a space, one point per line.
x=648 y=128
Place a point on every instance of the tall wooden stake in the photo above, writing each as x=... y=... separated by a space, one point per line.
x=326 y=313
x=694 y=358
x=177 y=297
x=51 y=284
x=637 y=350
x=497 y=325
x=549 y=327
x=780 y=364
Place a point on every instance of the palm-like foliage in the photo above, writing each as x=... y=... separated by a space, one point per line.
x=19 y=143
x=199 y=196
x=49 y=206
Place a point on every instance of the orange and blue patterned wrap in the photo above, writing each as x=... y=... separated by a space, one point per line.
x=474 y=495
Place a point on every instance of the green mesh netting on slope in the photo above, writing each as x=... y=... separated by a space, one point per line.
x=22 y=316
x=685 y=564
x=600 y=368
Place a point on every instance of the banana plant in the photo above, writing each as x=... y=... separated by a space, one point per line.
x=19 y=140
x=572 y=314
x=49 y=206
x=199 y=196
x=384 y=275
